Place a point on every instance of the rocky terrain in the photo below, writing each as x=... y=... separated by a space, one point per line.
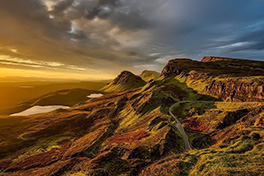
x=229 y=79
x=130 y=132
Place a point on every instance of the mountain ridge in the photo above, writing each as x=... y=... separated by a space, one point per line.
x=221 y=79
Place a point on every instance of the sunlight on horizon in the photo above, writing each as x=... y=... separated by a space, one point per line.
x=11 y=72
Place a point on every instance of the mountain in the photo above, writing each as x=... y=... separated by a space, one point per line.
x=131 y=132
x=124 y=81
x=148 y=75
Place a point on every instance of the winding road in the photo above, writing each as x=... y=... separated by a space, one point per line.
x=179 y=125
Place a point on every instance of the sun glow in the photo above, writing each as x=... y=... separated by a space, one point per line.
x=11 y=72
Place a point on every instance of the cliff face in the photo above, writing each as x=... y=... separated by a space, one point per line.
x=171 y=68
x=220 y=77
x=214 y=59
x=235 y=90
x=228 y=89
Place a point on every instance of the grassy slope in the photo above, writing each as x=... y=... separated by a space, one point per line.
x=147 y=75
x=44 y=132
x=223 y=145
x=235 y=149
x=132 y=82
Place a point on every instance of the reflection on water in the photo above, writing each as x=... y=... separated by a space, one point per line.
x=39 y=109
x=95 y=95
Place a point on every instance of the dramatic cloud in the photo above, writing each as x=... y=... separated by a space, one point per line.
x=107 y=36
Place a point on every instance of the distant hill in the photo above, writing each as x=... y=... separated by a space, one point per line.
x=124 y=81
x=66 y=97
x=14 y=93
x=148 y=75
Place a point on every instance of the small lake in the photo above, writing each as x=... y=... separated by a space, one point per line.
x=95 y=95
x=39 y=109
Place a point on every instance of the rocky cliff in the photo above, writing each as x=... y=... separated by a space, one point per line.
x=214 y=59
x=228 y=79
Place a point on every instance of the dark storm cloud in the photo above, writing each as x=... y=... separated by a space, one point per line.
x=61 y=6
x=129 y=33
x=117 y=12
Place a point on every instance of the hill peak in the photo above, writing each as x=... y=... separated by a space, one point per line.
x=148 y=75
x=124 y=81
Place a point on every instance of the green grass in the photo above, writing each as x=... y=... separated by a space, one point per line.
x=244 y=157
x=147 y=75
x=93 y=149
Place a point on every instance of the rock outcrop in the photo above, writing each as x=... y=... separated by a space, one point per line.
x=235 y=90
x=214 y=59
x=224 y=78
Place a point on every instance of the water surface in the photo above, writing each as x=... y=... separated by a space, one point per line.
x=95 y=95
x=39 y=109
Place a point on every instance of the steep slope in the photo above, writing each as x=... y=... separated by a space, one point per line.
x=229 y=139
x=114 y=134
x=124 y=81
x=148 y=75
x=229 y=79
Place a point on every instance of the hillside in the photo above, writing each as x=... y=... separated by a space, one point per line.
x=148 y=75
x=130 y=131
x=124 y=81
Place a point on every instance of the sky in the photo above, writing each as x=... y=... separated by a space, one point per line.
x=97 y=39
